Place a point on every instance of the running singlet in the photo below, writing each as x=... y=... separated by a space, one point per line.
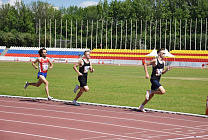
x=43 y=65
x=157 y=71
x=85 y=68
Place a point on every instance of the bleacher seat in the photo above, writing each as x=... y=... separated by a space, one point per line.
x=2 y=48
x=51 y=52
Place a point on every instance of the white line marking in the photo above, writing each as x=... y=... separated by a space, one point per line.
x=122 y=126
x=5 y=131
x=102 y=116
x=106 y=105
x=137 y=114
x=70 y=128
x=190 y=137
x=93 y=138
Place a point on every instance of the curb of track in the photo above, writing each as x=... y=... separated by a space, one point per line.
x=106 y=105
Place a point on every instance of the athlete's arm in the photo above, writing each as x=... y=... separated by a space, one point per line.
x=80 y=63
x=36 y=61
x=168 y=69
x=91 y=68
x=152 y=62
x=51 y=64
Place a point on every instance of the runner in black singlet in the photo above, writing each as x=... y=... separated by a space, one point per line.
x=84 y=66
x=158 y=68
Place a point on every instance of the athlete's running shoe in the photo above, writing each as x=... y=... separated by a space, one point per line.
x=50 y=98
x=75 y=103
x=76 y=88
x=142 y=109
x=26 y=85
x=148 y=94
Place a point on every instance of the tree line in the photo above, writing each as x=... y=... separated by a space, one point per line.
x=20 y=24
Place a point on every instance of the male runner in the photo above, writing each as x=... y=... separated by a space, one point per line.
x=43 y=62
x=84 y=66
x=158 y=68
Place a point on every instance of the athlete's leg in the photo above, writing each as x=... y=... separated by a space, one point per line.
x=86 y=88
x=146 y=101
x=36 y=84
x=79 y=93
x=160 y=90
x=43 y=79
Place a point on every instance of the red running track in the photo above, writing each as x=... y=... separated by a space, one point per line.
x=28 y=119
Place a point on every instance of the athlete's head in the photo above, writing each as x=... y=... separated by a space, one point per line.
x=161 y=52
x=42 y=52
x=87 y=54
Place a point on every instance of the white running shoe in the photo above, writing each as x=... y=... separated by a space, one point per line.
x=76 y=88
x=50 y=98
x=75 y=103
x=26 y=85
x=148 y=94
x=142 y=109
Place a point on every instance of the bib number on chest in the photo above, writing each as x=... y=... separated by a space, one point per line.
x=159 y=72
x=86 y=68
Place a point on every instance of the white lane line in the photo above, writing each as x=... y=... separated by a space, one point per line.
x=115 y=125
x=190 y=137
x=27 y=134
x=70 y=128
x=93 y=138
x=136 y=114
x=102 y=116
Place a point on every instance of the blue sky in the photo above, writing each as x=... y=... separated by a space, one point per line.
x=59 y=3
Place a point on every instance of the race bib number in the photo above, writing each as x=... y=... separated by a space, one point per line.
x=86 y=68
x=159 y=72
x=45 y=66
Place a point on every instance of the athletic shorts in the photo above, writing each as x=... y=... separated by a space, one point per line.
x=41 y=73
x=155 y=84
x=82 y=80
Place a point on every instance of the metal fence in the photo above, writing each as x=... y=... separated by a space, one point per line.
x=183 y=34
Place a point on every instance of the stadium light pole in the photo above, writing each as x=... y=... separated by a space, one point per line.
x=201 y=35
x=140 y=41
x=185 y=33
x=106 y=39
x=116 y=34
x=81 y=33
x=131 y=35
x=170 y=36
x=66 y=35
x=180 y=34
x=39 y=33
x=76 y=33
x=206 y=37
x=96 y=33
x=87 y=34
x=61 y=33
x=111 y=33
x=160 y=34
x=91 y=33
x=195 y=32
x=45 y=33
x=136 y=36
x=145 y=34
x=165 y=33
x=50 y=33
x=155 y=34
x=55 y=34
x=71 y=36
x=190 y=33
x=101 y=35
x=175 y=36
x=126 y=36
x=150 y=33
x=121 y=36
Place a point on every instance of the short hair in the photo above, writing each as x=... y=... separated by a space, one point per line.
x=86 y=51
x=159 y=50
x=41 y=51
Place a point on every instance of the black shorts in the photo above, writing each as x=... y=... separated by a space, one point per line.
x=155 y=84
x=83 y=80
